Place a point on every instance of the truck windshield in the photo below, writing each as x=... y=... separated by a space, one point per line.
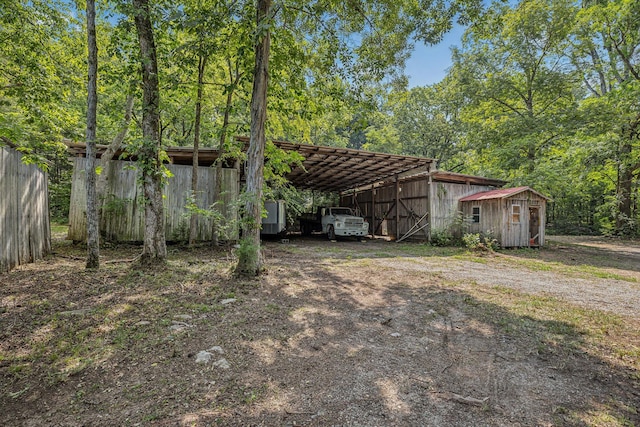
x=341 y=211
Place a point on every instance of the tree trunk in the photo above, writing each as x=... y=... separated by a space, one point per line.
x=93 y=231
x=193 y=230
x=233 y=80
x=154 y=246
x=250 y=258
x=107 y=156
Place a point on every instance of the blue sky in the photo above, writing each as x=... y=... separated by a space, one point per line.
x=428 y=64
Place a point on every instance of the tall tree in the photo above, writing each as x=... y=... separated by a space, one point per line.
x=605 y=53
x=384 y=28
x=202 y=66
x=520 y=99
x=149 y=154
x=93 y=232
x=250 y=260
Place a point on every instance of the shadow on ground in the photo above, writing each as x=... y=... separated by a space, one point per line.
x=317 y=341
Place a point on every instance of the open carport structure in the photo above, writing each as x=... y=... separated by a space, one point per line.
x=401 y=196
x=338 y=169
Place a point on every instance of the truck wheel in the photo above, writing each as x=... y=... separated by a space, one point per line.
x=331 y=233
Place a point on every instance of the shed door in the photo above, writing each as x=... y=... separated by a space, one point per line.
x=534 y=227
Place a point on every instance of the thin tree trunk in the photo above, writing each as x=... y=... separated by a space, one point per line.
x=193 y=230
x=233 y=80
x=154 y=245
x=250 y=258
x=93 y=232
x=105 y=160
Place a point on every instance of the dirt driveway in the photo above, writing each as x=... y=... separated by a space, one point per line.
x=616 y=290
x=335 y=334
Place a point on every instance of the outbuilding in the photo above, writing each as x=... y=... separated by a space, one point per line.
x=514 y=216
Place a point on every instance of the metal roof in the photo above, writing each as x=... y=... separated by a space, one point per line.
x=339 y=169
x=445 y=176
x=502 y=193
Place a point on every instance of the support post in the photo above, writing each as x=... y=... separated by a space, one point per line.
x=397 y=231
x=373 y=211
x=429 y=206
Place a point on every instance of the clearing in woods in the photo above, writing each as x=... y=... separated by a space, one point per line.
x=342 y=334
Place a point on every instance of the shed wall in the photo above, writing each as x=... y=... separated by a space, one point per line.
x=25 y=233
x=491 y=217
x=122 y=212
x=496 y=216
x=413 y=202
x=444 y=201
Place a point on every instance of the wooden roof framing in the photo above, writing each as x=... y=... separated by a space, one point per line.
x=339 y=169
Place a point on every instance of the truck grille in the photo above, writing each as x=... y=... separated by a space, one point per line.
x=354 y=221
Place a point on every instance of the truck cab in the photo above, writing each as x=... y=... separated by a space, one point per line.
x=341 y=221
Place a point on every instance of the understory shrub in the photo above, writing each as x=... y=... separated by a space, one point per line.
x=480 y=242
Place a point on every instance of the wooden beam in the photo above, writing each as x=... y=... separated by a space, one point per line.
x=373 y=211
x=397 y=234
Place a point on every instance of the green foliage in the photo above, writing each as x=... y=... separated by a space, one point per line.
x=224 y=224
x=114 y=205
x=442 y=237
x=480 y=242
x=59 y=201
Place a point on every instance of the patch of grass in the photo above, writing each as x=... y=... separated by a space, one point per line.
x=272 y=308
x=555 y=326
x=59 y=228
x=582 y=270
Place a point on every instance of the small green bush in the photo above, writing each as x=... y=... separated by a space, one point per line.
x=442 y=237
x=478 y=242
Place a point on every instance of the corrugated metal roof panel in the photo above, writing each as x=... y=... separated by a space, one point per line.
x=497 y=194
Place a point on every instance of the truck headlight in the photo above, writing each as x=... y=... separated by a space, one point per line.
x=338 y=224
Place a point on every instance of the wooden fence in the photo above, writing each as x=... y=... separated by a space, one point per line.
x=122 y=210
x=25 y=233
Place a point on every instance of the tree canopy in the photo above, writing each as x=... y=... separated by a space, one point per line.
x=541 y=92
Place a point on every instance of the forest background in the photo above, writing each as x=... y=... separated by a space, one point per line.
x=544 y=93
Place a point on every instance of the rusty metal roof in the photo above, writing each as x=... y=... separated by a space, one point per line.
x=339 y=169
x=445 y=176
x=502 y=193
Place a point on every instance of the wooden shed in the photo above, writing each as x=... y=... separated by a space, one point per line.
x=515 y=216
x=25 y=233
x=414 y=206
x=122 y=212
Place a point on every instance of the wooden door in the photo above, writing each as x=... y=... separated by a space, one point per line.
x=534 y=226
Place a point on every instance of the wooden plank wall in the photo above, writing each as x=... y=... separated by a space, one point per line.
x=444 y=205
x=413 y=204
x=518 y=234
x=414 y=201
x=492 y=217
x=122 y=213
x=496 y=217
x=25 y=233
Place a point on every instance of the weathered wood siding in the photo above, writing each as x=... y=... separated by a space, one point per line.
x=445 y=198
x=416 y=197
x=492 y=217
x=25 y=233
x=496 y=217
x=412 y=204
x=519 y=234
x=122 y=213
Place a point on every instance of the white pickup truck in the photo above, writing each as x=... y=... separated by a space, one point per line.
x=334 y=221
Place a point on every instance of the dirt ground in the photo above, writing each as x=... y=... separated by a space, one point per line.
x=334 y=334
